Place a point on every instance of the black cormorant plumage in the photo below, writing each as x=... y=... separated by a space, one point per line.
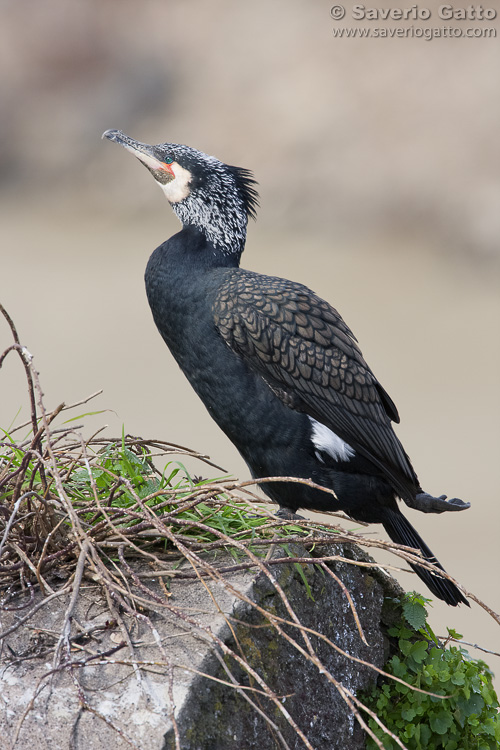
x=276 y=366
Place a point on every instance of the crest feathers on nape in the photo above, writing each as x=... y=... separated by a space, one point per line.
x=246 y=185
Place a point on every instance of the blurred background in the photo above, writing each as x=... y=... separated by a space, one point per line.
x=378 y=162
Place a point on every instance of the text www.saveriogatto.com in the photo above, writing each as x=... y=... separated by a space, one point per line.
x=428 y=29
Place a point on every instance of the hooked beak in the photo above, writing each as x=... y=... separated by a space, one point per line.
x=142 y=151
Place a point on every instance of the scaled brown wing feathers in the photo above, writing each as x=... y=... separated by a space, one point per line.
x=309 y=357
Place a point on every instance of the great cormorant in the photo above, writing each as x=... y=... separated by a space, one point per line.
x=275 y=365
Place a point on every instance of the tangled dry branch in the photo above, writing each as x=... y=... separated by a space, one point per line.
x=68 y=514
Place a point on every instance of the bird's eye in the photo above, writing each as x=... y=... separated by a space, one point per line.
x=168 y=160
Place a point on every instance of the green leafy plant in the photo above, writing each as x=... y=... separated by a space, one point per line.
x=121 y=474
x=465 y=717
x=117 y=488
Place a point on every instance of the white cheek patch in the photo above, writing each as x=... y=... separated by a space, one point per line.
x=327 y=441
x=177 y=189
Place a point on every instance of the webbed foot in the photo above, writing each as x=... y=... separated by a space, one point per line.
x=429 y=504
x=288 y=515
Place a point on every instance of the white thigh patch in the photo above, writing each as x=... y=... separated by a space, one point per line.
x=327 y=441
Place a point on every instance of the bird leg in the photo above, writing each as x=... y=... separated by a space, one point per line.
x=429 y=504
x=288 y=515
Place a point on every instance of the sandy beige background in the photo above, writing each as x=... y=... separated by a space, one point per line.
x=378 y=162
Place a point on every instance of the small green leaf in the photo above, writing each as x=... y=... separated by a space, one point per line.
x=425 y=735
x=415 y=614
x=408 y=714
x=458 y=677
x=418 y=651
x=87 y=414
x=441 y=722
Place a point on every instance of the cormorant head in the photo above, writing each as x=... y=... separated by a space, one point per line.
x=204 y=192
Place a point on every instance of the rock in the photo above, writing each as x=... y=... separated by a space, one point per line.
x=101 y=702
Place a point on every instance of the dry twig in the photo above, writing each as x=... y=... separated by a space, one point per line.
x=43 y=528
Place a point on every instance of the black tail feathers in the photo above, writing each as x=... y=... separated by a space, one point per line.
x=402 y=532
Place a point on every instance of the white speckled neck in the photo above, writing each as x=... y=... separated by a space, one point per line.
x=217 y=210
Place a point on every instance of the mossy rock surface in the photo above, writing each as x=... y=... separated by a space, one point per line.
x=218 y=718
